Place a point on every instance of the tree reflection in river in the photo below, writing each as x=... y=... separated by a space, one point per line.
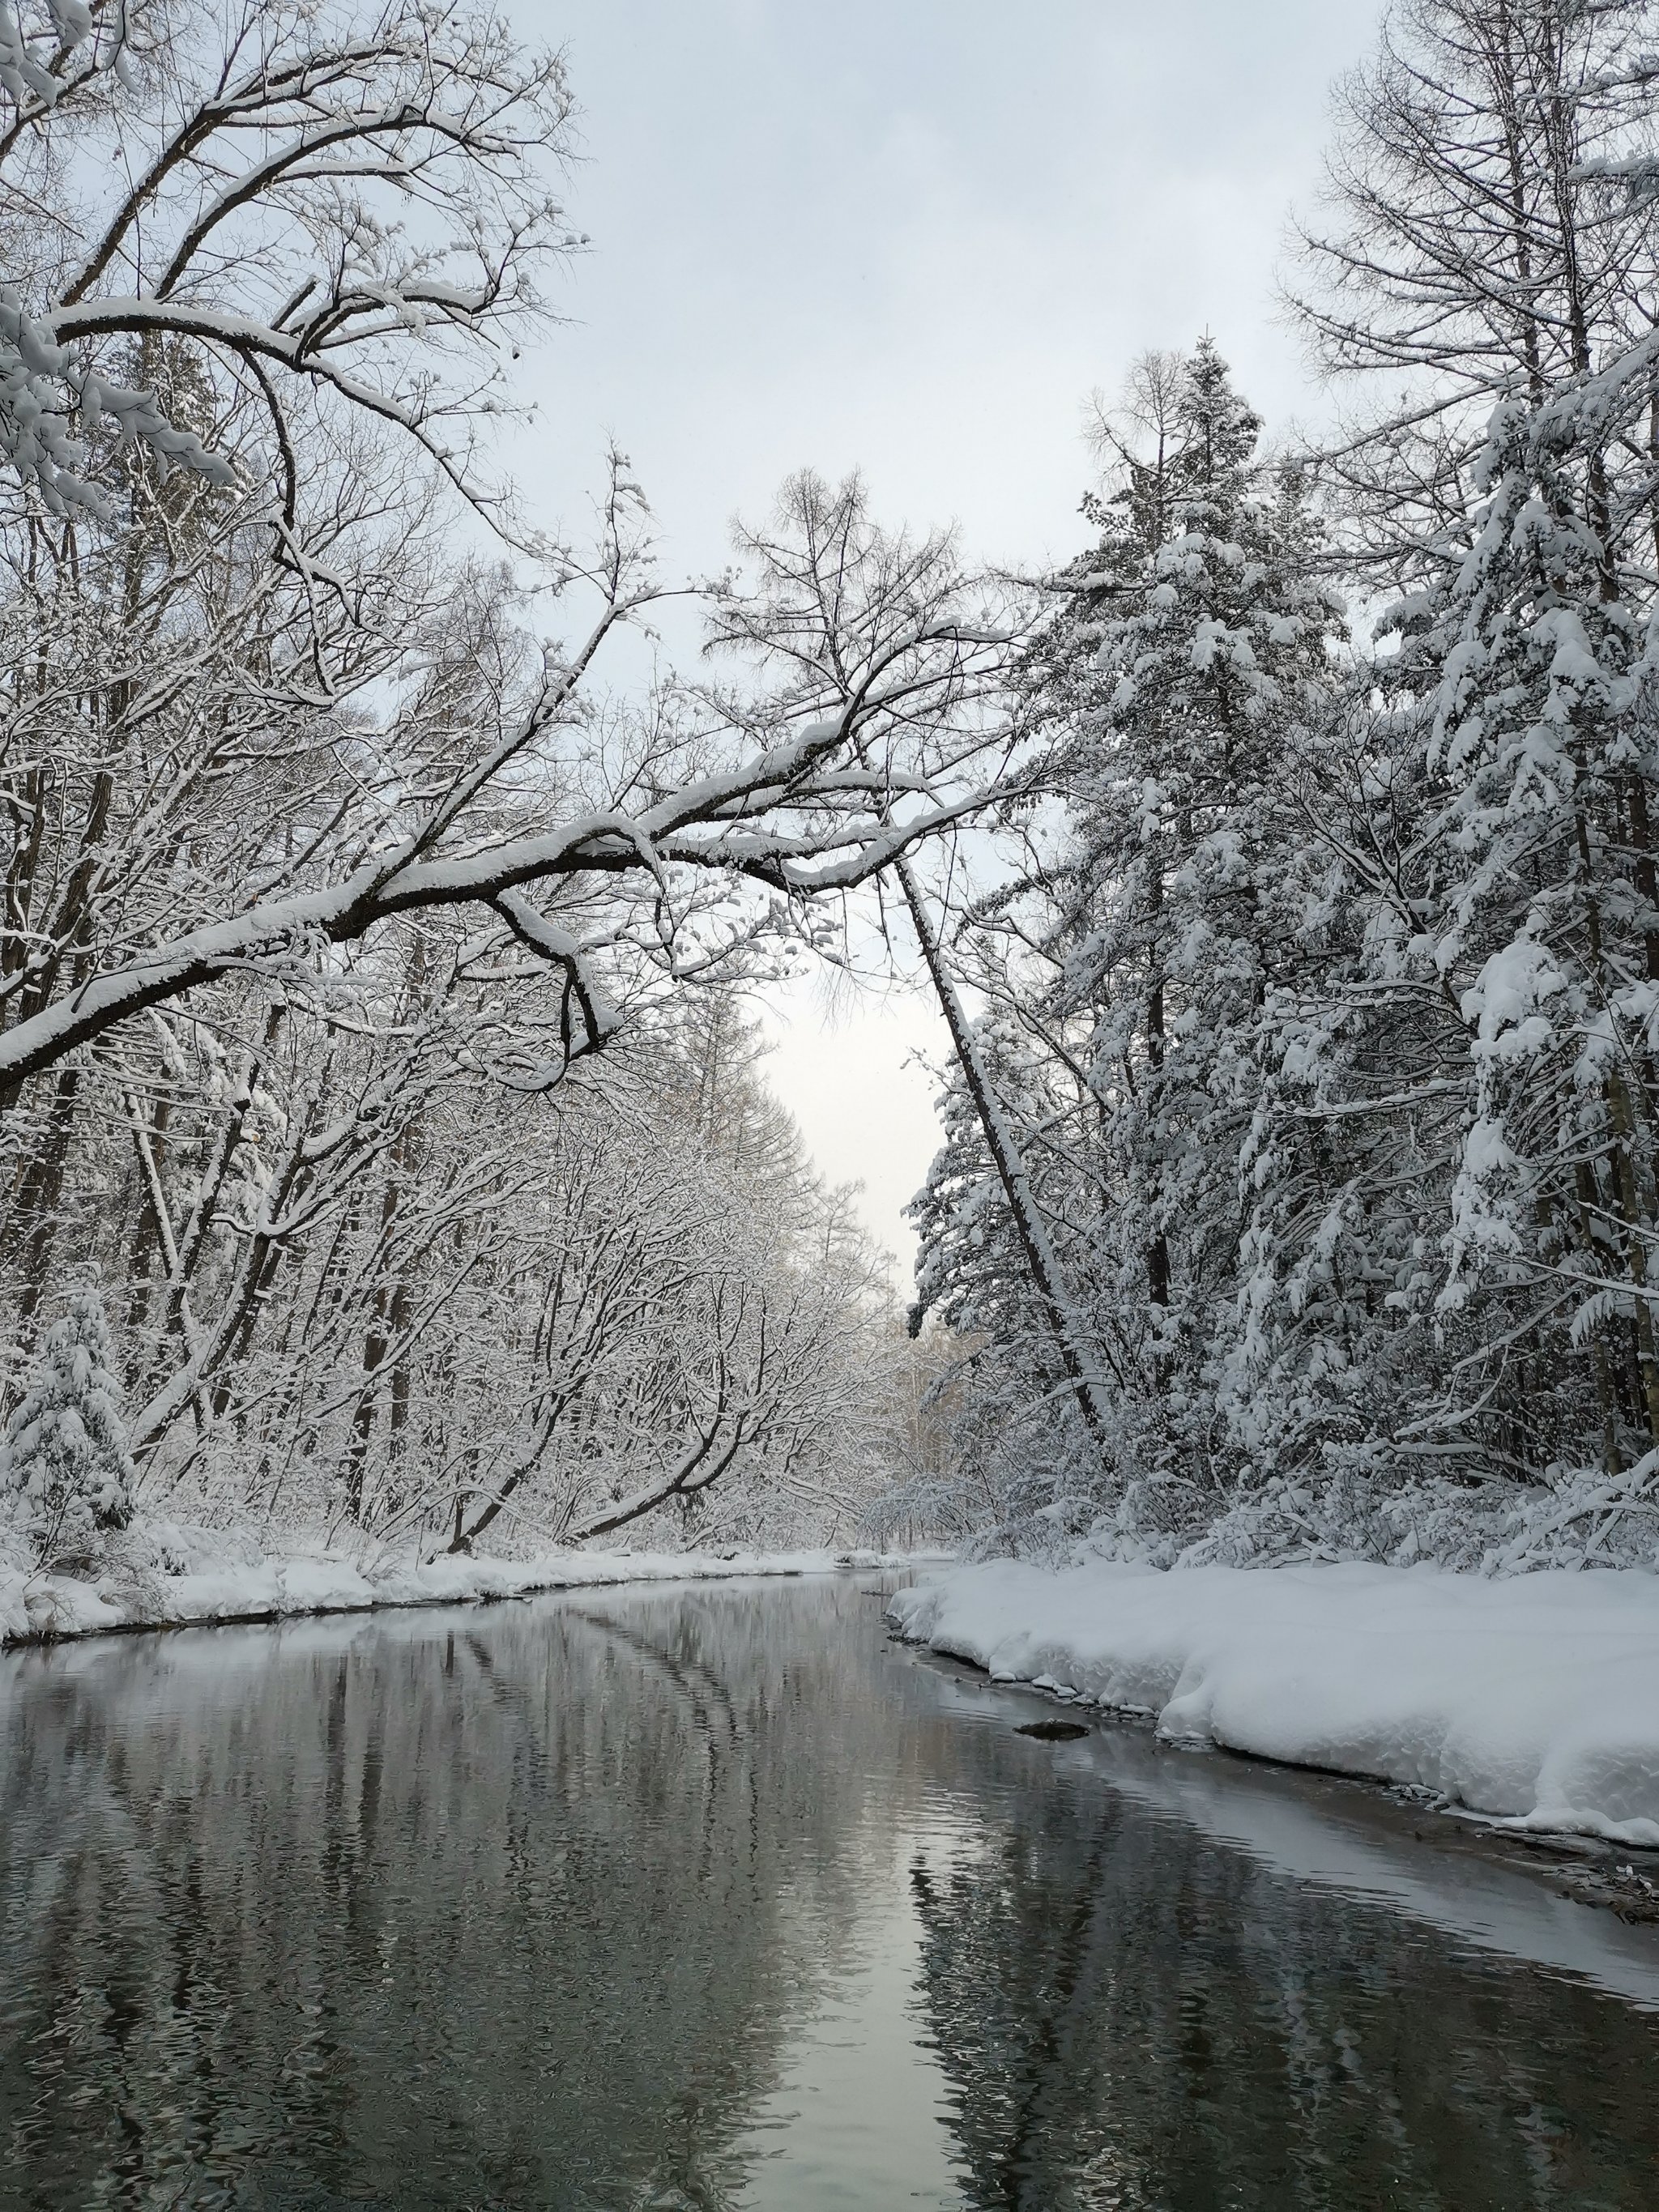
x=611 y=1903
x=374 y=1913
x=1133 y=2019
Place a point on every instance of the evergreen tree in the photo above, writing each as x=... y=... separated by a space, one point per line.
x=64 y=1461
x=1354 y=962
x=1537 y=895
x=1447 y=1264
x=1204 y=633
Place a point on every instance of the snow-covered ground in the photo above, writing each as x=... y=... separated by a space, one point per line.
x=218 y=1585
x=1532 y=1701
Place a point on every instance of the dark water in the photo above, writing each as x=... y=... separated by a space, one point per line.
x=710 y=1897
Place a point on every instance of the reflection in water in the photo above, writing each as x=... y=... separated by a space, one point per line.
x=1131 y=2025
x=708 y=1898
x=410 y=1913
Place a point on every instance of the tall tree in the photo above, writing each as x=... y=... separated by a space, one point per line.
x=1174 y=685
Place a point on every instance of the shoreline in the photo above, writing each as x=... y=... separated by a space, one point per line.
x=1579 y=1869
x=1529 y=1705
x=40 y=1609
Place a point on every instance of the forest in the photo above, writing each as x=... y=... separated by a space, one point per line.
x=386 y=1158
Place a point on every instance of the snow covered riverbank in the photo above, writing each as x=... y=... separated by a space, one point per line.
x=36 y=1607
x=1533 y=1701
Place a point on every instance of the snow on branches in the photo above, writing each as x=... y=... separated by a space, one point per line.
x=315 y=204
x=327 y=864
x=65 y=1470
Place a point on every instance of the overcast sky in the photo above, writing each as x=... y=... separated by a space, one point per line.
x=908 y=237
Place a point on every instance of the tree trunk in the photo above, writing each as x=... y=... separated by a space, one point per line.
x=1040 y=1257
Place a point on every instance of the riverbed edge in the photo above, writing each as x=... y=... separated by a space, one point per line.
x=42 y=1609
x=1529 y=1705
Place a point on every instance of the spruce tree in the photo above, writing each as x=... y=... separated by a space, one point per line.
x=1543 y=930
x=64 y=1461
x=1199 y=642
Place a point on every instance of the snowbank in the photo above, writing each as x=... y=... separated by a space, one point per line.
x=33 y=1607
x=1533 y=1701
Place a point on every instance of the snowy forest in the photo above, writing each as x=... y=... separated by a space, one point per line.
x=1321 y=1019
x=386 y=1156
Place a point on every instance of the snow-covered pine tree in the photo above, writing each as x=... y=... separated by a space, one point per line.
x=1193 y=658
x=1462 y=1291
x=1460 y=1298
x=1130 y=970
x=1359 y=995
x=1545 y=932
x=64 y=1462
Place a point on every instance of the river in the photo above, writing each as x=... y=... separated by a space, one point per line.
x=707 y=1897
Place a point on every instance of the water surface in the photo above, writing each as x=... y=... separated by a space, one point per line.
x=711 y=1897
